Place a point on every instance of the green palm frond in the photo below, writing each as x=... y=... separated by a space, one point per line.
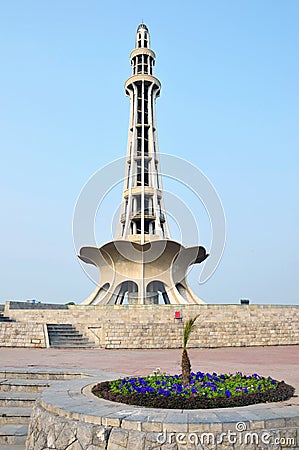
x=189 y=327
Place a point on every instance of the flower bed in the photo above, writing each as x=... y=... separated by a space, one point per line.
x=204 y=390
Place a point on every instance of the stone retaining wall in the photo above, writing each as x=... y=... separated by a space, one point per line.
x=15 y=334
x=206 y=335
x=68 y=416
x=154 y=326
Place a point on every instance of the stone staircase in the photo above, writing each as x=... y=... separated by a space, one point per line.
x=66 y=336
x=4 y=318
x=18 y=392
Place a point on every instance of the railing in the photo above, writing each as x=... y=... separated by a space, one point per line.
x=148 y=213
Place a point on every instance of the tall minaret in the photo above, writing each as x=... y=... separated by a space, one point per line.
x=132 y=269
x=143 y=215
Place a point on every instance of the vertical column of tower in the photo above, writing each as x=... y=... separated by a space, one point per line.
x=142 y=214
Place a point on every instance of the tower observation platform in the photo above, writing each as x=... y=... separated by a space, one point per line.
x=142 y=265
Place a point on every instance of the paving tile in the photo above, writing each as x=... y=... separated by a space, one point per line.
x=15 y=411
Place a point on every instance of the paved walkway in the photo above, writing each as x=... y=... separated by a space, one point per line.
x=281 y=363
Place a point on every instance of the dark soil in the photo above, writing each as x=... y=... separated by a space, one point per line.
x=280 y=393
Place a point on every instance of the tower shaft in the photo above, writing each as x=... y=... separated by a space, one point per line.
x=143 y=215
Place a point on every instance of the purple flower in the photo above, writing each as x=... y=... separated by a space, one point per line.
x=177 y=387
x=228 y=393
x=163 y=392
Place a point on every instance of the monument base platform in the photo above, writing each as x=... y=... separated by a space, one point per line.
x=153 y=326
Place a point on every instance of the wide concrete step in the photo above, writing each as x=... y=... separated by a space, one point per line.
x=63 y=330
x=16 y=374
x=59 y=326
x=65 y=333
x=13 y=415
x=17 y=399
x=19 y=385
x=71 y=343
x=13 y=434
x=75 y=346
x=68 y=337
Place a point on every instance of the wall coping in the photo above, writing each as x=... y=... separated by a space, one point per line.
x=15 y=305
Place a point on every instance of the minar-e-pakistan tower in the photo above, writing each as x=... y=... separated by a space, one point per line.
x=142 y=265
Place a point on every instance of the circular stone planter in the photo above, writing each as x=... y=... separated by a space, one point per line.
x=68 y=416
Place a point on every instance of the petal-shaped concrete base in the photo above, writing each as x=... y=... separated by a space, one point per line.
x=136 y=273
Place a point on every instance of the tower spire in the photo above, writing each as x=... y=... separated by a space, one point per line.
x=142 y=215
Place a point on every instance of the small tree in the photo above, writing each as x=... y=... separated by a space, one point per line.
x=186 y=365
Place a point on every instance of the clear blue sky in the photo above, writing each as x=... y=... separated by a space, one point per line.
x=229 y=104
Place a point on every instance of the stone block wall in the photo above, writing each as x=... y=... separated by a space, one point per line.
x=154 y=326
x=14 y=334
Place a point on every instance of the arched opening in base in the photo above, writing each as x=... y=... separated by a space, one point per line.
x=156 y=294
x=125 y=293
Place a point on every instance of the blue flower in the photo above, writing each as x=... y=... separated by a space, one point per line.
x=228 y=393
x=163 y=392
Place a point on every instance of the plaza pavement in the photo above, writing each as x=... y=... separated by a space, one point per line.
x=281 y=363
